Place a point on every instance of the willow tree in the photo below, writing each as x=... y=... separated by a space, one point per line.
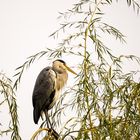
x=104 y=99
x=8 y=102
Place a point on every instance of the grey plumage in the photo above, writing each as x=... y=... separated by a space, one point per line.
x=47 y=87
x=43 y=92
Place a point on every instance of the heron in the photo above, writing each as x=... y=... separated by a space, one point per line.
x=48 y=86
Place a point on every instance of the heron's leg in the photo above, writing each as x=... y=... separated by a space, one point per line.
x=56 y=135
x=49 y=124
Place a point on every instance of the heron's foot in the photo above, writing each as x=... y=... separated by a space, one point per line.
x=54 y=133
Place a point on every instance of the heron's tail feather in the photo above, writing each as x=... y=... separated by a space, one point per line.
x=36 y=114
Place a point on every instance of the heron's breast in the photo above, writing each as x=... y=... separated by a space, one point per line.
x=55 y=98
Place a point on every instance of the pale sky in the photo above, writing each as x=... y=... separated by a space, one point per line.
x=24 y=29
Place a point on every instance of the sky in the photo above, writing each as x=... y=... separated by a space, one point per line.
x=25 y=26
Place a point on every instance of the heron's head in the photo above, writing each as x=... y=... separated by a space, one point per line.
x=61 y=66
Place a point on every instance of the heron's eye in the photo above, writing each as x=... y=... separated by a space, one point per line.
x=60 y=67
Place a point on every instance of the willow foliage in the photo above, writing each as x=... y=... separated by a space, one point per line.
x=7 y=99
x=105 y=100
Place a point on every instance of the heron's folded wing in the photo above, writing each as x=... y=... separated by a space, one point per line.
x=43 y=90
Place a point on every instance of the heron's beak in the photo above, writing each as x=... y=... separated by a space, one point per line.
x=70 y=70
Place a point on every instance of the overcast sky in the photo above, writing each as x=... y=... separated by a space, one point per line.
x=24 y=29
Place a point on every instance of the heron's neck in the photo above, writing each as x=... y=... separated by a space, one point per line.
x=61 y=80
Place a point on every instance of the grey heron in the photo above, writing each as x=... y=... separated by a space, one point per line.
x=48 y=86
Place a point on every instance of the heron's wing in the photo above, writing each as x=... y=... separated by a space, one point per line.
x=44 y=91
